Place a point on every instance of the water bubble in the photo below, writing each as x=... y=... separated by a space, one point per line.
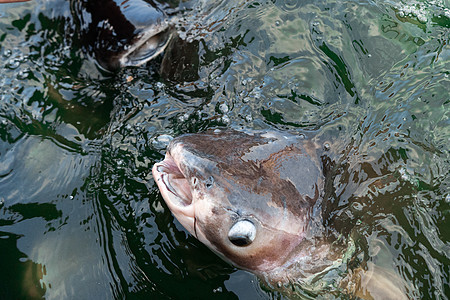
x=277 y=23
x=183 y=117
x=23 y=74
x=138 y=127
x=326 y=146
x=164 y=138
x=223 y=107
x=422 y=18
x=226 y=119
x=162 y=141
x=13 y=63
x=248 y=118
x=6 y=53
x=404 y=174
x=218 y=290
x=246 y=81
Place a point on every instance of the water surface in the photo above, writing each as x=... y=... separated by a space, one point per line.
x=80 y=215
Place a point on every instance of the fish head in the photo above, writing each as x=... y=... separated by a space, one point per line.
x=124 y=33
x=246 y=195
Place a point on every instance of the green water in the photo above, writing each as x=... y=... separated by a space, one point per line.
x=80 y=215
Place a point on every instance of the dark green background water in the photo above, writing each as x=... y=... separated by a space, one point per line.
x=80 y=215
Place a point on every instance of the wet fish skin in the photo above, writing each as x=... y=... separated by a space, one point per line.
x=272 y=179
x=276 y=182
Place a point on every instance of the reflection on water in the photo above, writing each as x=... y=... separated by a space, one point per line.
x=79 y=212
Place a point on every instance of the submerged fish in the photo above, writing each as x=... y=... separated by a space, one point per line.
x=123 y=33
x=254 y=198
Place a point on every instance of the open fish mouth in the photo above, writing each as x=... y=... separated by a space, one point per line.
x=146 y=46
x=173 y=184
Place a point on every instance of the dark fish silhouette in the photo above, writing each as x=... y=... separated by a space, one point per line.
x=121 y=33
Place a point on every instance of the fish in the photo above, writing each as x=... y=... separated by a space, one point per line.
x=249 y=196
x=254 y=198
x=121 y=33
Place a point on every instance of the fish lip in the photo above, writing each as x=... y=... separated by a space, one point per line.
x=173 y=183
x=138 y=53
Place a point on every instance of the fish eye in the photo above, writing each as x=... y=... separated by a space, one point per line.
x=242 y=233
